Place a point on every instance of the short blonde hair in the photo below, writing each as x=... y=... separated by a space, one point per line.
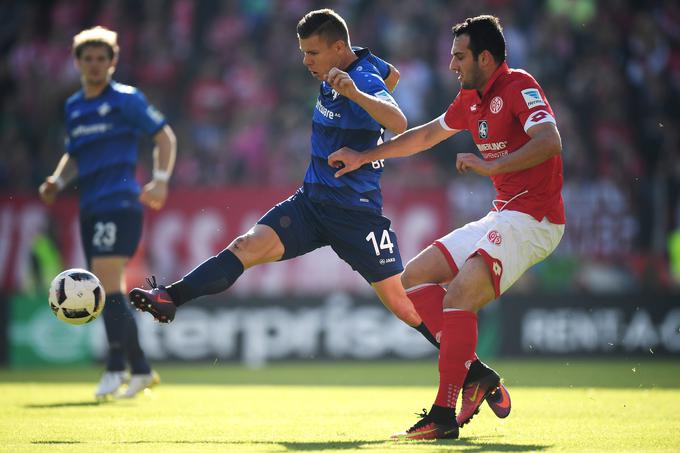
x=96 y=36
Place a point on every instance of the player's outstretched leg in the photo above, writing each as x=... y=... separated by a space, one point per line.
x=212 y=276
x=156 y=301
x=480 y=383
x=437 y=424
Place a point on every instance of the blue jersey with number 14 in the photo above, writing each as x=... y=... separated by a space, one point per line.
x=102 y=135
x=339 y=122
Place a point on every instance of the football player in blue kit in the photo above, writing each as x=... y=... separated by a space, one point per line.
x=354 y=106
x=104 y=121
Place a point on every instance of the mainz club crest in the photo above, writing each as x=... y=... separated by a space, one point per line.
x=494 y=237
x=496 y=104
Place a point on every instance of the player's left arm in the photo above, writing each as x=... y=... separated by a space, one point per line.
x=392 y=78
x=155 y=193
x=388 y=72
x=545 y=142
x=385 y=113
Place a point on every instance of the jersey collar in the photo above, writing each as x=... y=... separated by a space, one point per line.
x=501 y=69
x=361 y=54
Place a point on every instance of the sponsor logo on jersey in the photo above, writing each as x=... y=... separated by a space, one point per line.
x=385 y=96
x=90 y=129
x=483 y=129
x=104 y=109
x=154 y=114
x=495 y=146
x=384 y=261
x=538 y=117
x=325 y=112
x=532 y=97
x=75 y=114
x=496 y=104
x=494 y=237
x=496 y=155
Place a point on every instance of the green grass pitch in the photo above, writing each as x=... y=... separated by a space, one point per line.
x=562 y=405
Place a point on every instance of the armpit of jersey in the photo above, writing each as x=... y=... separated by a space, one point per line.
x=538 y=117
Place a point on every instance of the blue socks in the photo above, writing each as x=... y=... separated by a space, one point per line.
x=214 y=275
x=121 y=332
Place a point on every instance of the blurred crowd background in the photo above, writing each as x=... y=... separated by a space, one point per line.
x=228 y=75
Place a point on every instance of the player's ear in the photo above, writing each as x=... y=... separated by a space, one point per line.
x=339 y=45
x=114 y=63
x=485 y=58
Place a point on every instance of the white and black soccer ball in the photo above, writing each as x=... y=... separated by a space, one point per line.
x=76 y=296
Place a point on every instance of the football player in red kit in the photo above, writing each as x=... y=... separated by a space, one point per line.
x=514 y=128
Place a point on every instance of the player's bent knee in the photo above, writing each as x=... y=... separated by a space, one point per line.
x=413 y=275
x=256 y=247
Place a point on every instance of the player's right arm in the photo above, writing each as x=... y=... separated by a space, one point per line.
x=155 y=193
x=66 y=171
x=406 y=144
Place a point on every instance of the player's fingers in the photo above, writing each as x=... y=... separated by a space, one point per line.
x=332 y=75
x=337 y=82
x=48 y=198
x=341 y=172
x=144 y=198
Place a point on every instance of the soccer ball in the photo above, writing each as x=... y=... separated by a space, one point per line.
x=76 y=296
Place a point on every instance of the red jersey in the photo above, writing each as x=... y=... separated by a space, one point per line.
x=511 y=103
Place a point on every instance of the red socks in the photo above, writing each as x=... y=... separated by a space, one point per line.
x=428 y=301
x=458 y=344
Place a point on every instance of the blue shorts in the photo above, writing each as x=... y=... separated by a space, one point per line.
x=115 y=233
x=362 y=239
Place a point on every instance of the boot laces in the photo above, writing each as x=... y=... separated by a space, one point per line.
x=151 y=281
x=424 y=421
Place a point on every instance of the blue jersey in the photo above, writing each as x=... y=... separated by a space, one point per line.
x=339 y=122
x=102 y=135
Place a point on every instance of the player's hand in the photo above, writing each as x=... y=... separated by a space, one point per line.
x=48 y=191
x=154 y=194
x=341 y=82
x=469 y=161
x=346 y=159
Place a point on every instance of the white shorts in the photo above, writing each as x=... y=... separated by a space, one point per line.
x=509 y=241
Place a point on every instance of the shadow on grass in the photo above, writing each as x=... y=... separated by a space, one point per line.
x=467 y=444
x=66 y=404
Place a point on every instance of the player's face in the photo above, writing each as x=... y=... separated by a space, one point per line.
x=319 y=56
x=95 y=65
x=464 y=64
